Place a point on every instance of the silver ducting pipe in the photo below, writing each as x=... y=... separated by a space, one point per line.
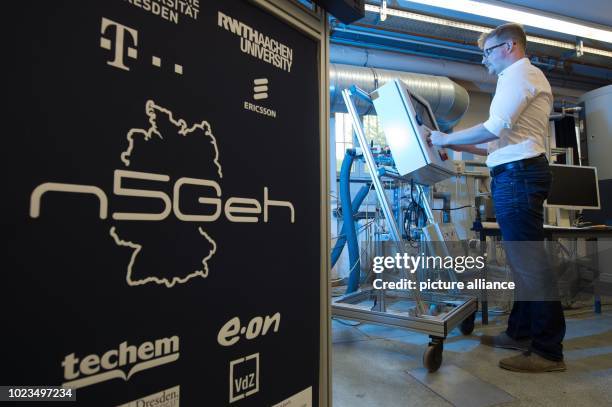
x=476 y=74
x=346 y=54
x=448 y=100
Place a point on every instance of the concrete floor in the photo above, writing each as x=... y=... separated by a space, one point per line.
x=380 y=366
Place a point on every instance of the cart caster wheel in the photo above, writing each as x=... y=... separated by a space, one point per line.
x=467 y=326
x=432 y=358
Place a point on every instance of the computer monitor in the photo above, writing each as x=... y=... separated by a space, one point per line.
x=573 y=187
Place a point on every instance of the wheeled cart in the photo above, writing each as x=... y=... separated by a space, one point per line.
x=429 y=313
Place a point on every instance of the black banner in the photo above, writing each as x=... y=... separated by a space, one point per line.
x=162 y=216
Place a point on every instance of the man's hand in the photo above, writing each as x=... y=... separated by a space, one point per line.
x=437 y=138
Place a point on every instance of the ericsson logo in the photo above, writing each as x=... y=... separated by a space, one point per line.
x=261 y=89
x=260 y=92
x=120 y=363
x=194 y=202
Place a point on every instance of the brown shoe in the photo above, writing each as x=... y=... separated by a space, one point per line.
x=504 y=341
x=530 y=362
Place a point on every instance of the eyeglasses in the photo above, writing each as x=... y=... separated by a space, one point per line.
x=487 y=51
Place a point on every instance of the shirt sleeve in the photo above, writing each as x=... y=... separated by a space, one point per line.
x=510 y=99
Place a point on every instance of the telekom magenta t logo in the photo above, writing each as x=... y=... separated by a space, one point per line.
x=120 y=37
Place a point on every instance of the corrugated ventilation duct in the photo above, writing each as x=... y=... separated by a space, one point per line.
x=448 y=100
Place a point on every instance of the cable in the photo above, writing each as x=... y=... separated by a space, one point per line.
x=361 y=280
x=414 y=214
x=345 y=323
x=452 y=209
x=361 y=229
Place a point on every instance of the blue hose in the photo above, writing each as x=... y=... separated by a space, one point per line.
x=357 y=201
x=348 y=227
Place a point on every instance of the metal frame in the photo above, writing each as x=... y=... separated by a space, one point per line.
x=347 y=308
x=347 y=305
x=315 y=25
x=380 y=191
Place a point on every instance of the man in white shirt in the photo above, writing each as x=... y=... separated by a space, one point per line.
x=515 y=131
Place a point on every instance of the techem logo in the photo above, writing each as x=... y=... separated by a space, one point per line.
x=120 y=363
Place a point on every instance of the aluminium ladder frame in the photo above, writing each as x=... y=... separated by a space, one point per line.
x=437 y=327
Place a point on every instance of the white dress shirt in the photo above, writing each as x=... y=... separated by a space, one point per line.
x=519 y=113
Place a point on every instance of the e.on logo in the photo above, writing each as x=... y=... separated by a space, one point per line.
x=230 y=333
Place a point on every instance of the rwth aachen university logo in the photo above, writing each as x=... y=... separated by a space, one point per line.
x=148 y=158
x=257 y=44
x=120 y=363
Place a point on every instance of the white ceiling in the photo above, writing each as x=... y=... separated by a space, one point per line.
x=590 y=12
x=594 y=11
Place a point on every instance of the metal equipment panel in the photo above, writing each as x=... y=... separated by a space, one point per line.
x=407 y=119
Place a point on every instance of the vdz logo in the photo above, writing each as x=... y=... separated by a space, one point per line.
x=244 y=377
x=260 y=90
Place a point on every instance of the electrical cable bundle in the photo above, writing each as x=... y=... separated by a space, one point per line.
x=414 y=214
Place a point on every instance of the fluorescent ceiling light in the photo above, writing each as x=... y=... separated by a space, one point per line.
x=480 y=28
x=522 y=17
x=427 y=19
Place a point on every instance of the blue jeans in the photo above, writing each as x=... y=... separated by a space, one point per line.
x=518 y=195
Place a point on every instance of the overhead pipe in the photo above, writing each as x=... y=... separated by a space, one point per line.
x=448 y=100
x=378 y=34
x=344 y=54
x=381 y=59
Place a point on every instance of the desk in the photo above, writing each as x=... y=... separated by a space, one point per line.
x=591 y=233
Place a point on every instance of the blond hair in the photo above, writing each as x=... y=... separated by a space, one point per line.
x=505 y=32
